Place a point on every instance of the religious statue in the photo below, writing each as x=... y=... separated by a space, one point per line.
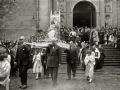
x=52 y=31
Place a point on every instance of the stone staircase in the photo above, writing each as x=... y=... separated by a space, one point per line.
x=112 y=56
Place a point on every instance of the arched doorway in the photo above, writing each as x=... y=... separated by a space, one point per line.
x=84 y=14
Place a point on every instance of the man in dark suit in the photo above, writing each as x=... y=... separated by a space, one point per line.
x=53 y=61
x=23 y=61
x=44 y=63
x=71 y=60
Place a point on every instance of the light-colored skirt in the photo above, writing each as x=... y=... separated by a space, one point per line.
x=37 y=67
x=89 y=70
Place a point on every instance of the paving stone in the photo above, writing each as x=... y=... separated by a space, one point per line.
x=101 y=81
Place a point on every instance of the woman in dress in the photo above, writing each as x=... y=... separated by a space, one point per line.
x=37 y=67
x=89 y=62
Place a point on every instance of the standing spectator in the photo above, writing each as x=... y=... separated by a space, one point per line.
x=37 y=68
x=72 y=35
x=102 y=56
x=12 y=52
x=54 y=62
x=66 y=35
x=101 y=35
x=71 y=60
x=95 y=36
x=89 y=62
x=105 y=37
x=44 y=63
x=82 y=34
x=97 y=57
x=115 y=37
x=23 y=61
x=111 y=39
x=83 y=54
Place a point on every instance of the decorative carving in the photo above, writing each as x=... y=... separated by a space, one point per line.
x=108 y=19
x=94 y=2
x=108 y=13
x=108 y=5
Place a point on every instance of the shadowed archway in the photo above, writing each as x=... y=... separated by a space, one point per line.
x=84 y=14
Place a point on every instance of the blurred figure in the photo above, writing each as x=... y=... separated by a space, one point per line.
x=72 y=35
x=89 y=62
x=71 y=60
x=97 y=57
x=44 y=63
x=23 y=61
x=53 y=61
x=95 y=36
x=37 y=67
x=4 y=67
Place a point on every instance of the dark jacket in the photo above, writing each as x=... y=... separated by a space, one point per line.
x=71 y=55
x=44 y=58
x=53 y=56
x=22 y=55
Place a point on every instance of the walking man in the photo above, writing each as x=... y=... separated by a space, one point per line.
x=23 y=61
x=53 y=61
x=71 y=60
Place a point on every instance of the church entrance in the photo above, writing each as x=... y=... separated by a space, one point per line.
x=84 y=14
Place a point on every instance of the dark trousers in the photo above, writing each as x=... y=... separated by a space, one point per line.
x=23 y=74
x=54 y=75
x=71 y=67
x=12 y=71
x=96 y=64
x=46 y=70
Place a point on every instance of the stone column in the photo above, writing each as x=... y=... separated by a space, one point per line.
x=55 y=5
x=98 y=20
x=102 y=13
x=114 y=13
x=118 y=13
x=69 y=14
x=43 y=14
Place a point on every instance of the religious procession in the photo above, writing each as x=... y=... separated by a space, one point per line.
x=62 y=58
x=43 y=54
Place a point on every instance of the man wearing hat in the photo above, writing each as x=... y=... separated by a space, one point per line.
x=53 y=61
x=23 y=61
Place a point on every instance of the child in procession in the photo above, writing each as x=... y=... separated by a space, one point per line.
x=89 y=62
x=37 y=67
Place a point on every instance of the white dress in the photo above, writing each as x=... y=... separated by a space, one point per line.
x=37 y=67
x=89 y=62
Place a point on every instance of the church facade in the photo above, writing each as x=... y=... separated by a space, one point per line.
x=26 y=16
x=91 y=13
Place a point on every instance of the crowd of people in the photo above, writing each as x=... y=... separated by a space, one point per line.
x=106 y=35
x=85 y=50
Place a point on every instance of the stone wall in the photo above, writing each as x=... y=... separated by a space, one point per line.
x=19 y=18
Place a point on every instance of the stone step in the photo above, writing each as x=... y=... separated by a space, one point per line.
x=110 y=49
x=112 y=56
x=112 y=53
x=114 y=59
x=111 y=64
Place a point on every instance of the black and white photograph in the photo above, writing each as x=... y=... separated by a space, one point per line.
x=59 y=44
